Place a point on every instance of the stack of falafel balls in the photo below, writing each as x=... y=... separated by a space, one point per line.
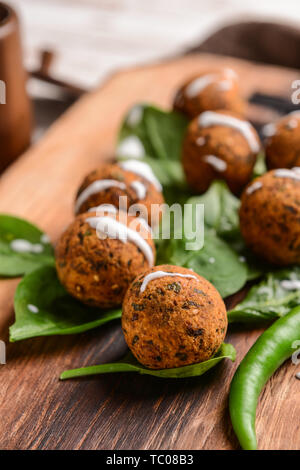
x=171 y=316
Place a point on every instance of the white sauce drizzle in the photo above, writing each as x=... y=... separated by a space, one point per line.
x=211 y=118
x=109 y=208
x=285 y=173
x=292 y=124
x=135 y=116
x=254 y=187
x=217 y=163
x=33 y=308
x=298 y=376
x=24 y=246
x=45 y=239
x=290 y=285
x=269 y=130
x=96 y=187
x=200 y=141
x=225 y=85
x=116 y=230
x=131 y=147
x=231 y=73
x=139 y=188
x=159 y=274
x=199 y=84
x=141 y=169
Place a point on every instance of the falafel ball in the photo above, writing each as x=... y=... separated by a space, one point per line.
x=97 y=257
x=173 y=317
x=210 y=90
x=270 y=215
x=283 y=142
x=219 y=145
x=108 y=183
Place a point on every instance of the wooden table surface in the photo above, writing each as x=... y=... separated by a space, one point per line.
x=37 y=411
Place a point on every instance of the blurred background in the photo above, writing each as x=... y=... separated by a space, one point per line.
x=90 y=39
x=93 y=38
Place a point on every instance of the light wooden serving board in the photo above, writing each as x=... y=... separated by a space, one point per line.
x=120 y=411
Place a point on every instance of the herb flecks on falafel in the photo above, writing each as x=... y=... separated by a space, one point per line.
x=108 y=183
x=270 y=215
x=283 y=142
x=211 y=90
x=219 y=145
x=98 y=257
x=173 y=317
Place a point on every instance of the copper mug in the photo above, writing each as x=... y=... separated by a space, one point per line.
x=15 y=108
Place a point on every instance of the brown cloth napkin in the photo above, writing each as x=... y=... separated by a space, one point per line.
x=270 y=43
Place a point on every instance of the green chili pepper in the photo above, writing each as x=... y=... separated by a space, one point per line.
x=271 y=349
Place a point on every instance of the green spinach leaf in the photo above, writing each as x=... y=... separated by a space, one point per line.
x=220 y=209
x=215 y=261
x=161 y=134
x=256 y=267
x=130 y=364
x=273 y=297
x=260 y=166
x=23 y=247
x=43 y=308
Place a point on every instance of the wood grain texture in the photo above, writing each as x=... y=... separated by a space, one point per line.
x=119 y=411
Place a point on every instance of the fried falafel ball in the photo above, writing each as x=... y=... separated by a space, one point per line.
x=283 y=142
x=173 y=317
x=270 y=215
x=219 y=145
x=98 y=256
x=210 y=90
x=108 y=183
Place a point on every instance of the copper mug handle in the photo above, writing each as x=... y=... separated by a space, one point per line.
x=15 y=107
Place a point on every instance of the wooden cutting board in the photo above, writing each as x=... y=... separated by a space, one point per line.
x=120 y=411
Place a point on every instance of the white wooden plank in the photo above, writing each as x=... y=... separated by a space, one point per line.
x=95 y=37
